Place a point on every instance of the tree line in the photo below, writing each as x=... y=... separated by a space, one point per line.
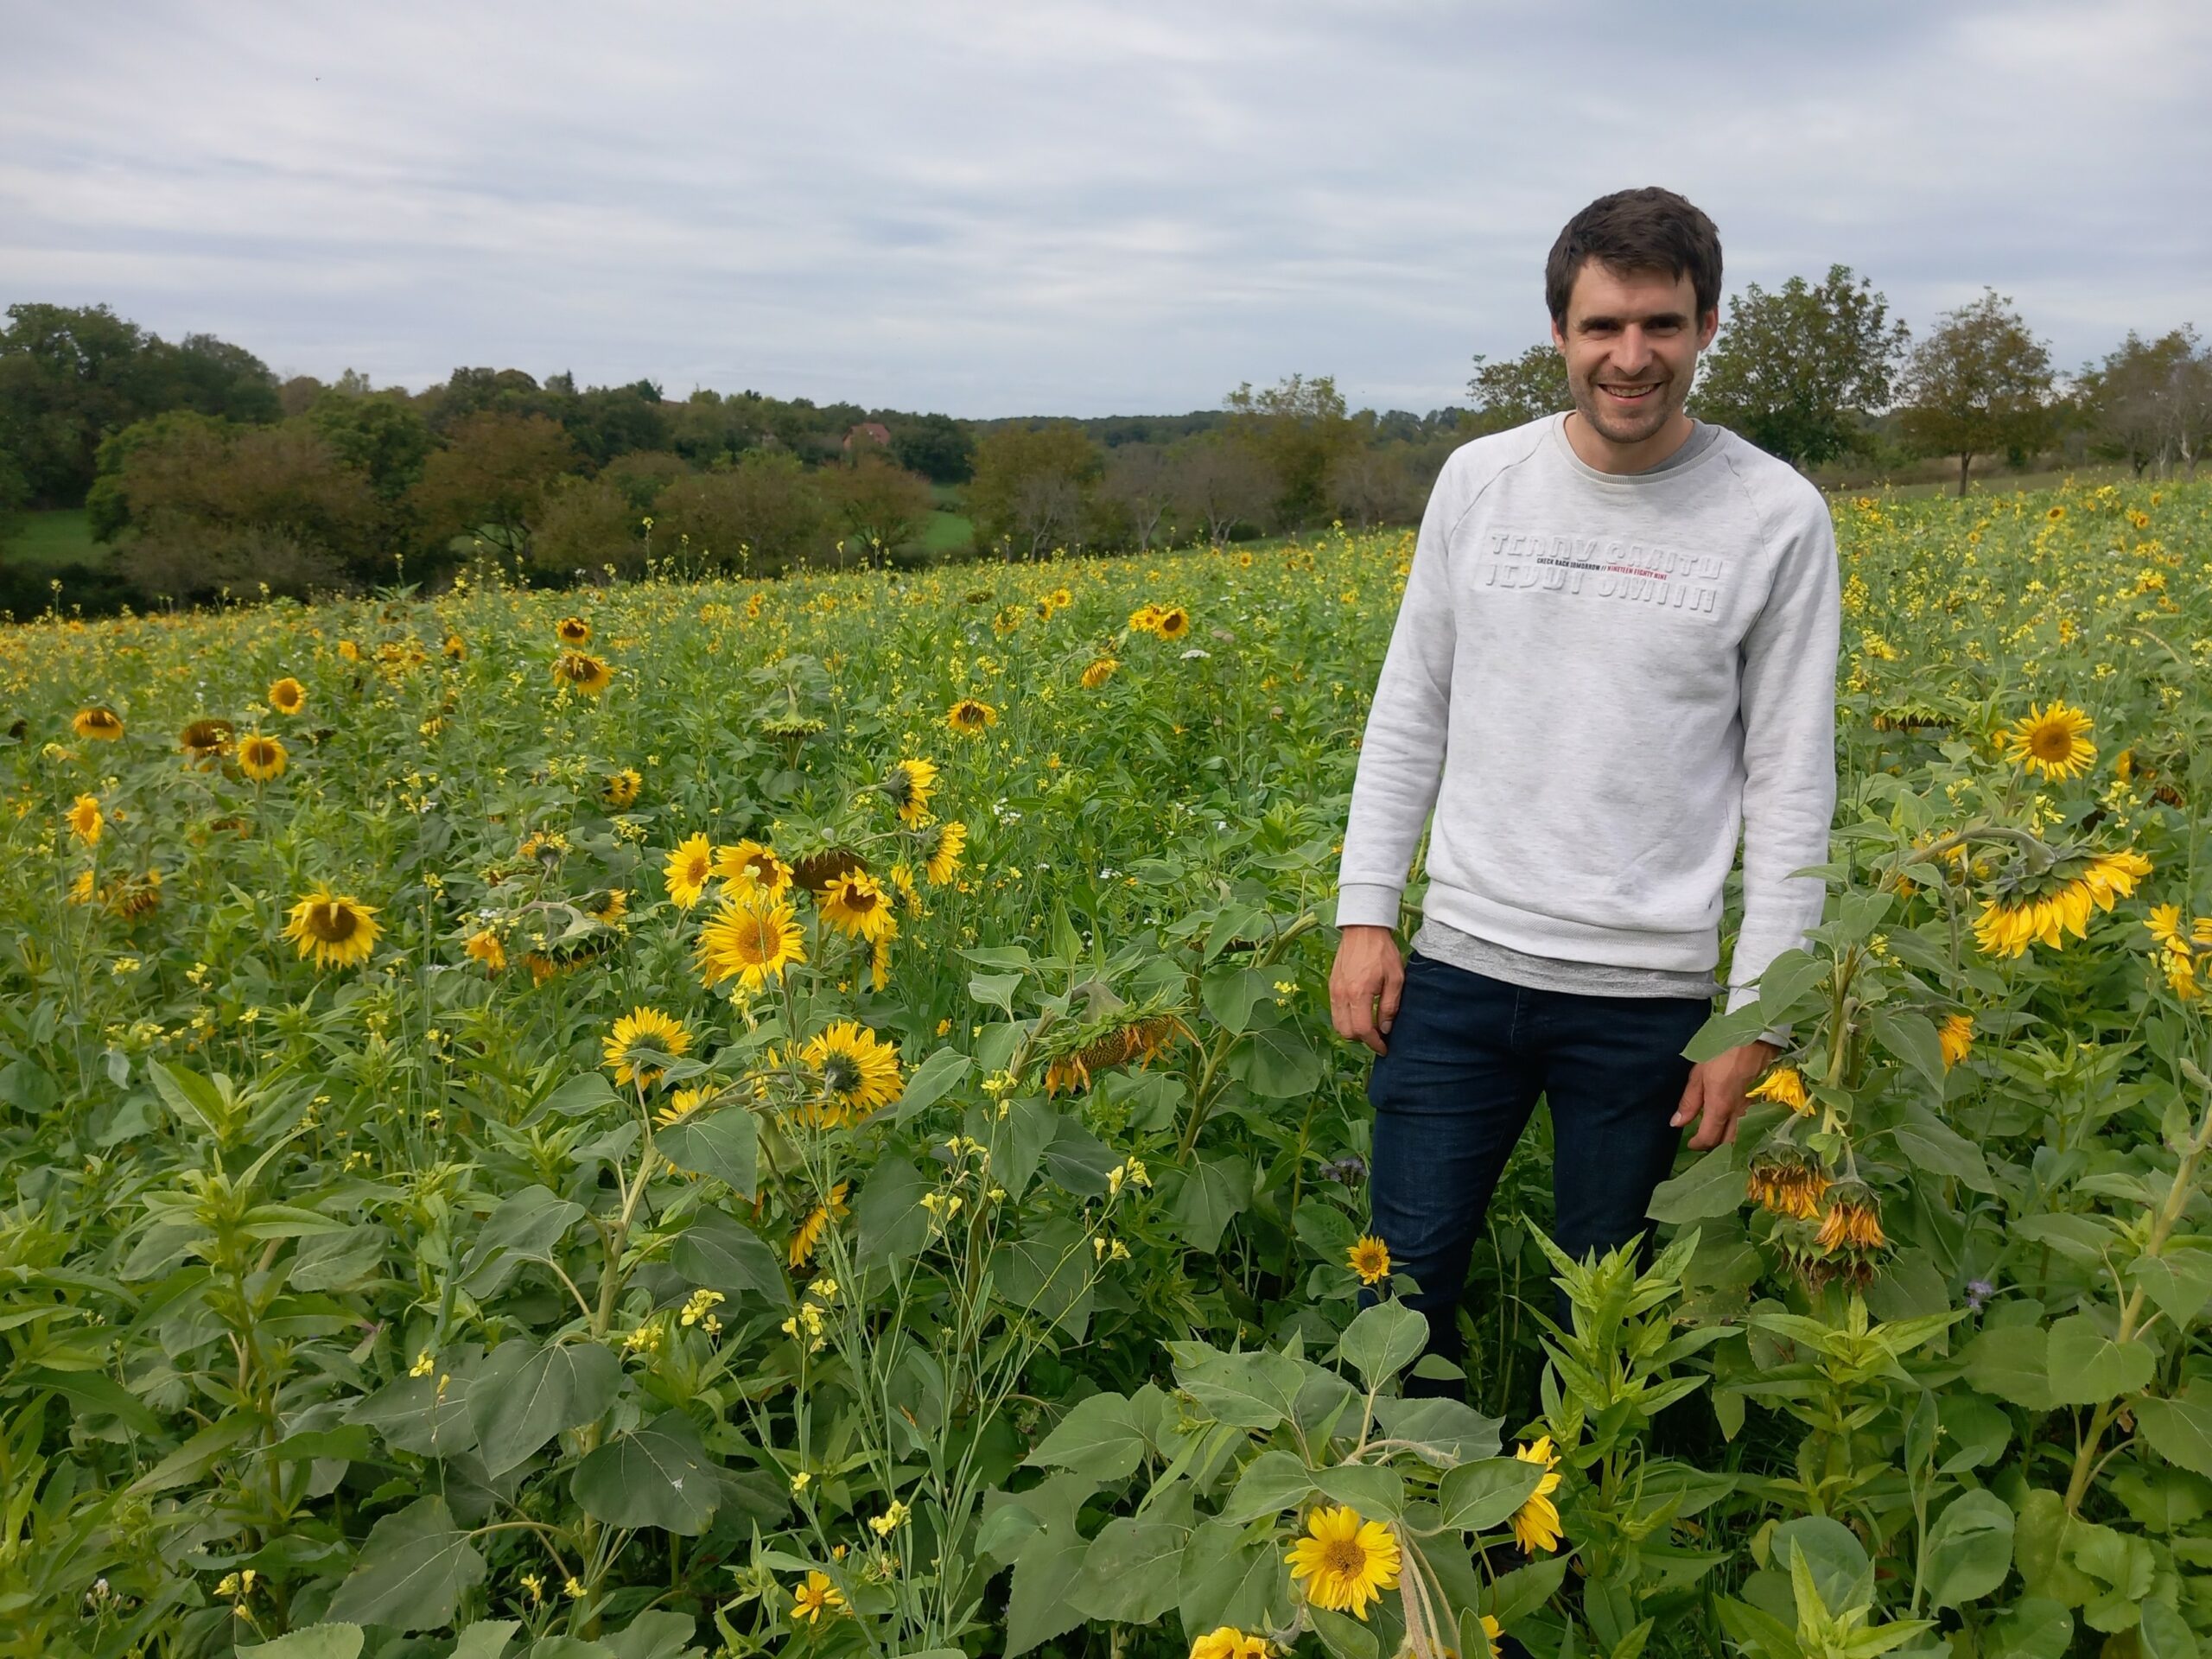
x=208 y=474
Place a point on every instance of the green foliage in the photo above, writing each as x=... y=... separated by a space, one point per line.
x=1798 y=371
x=1980 y=384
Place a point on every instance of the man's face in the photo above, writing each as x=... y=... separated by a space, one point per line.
x=1631 y=342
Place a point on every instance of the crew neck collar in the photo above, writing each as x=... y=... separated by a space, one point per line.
x=1644 y=480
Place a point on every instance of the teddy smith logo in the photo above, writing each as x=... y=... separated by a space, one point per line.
x=1637 y=572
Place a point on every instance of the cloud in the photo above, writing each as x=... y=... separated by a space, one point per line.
x=1079 y=208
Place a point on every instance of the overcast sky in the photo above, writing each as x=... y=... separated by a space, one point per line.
x=1074 y=208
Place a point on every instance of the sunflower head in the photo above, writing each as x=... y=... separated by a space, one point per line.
x=637 y=1032
x=483 y=946
x=456 y=648
x=337 y=930
x=753 y=867
x=942 y=862
x=261 y=758
x=752 y=939
x=1100 y=670
x=583 y=671
x=1344 y=1563
x=909 y=785
x=619 y=789
x=1173 y=623
x=288 y=695
x=1371 y=1258
x=573 y=631
x=856 y=904
x=690 y=866
x=2053 y=741
x=101 y=724
x=1785 y=1086
x=818 y=870
x=203 y=739
x=970 y=715
x=85 y=819
x=856 y=1072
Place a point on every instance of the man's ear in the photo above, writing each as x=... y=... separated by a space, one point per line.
x=1559 y=338
x=1708 y=326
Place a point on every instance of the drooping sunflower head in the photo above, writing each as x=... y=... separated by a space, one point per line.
x=1371 y=1258
x=856 y=1072
x=619 y=789
x=261 y=758
x=1100 y=670
x=909 y=785
x=136 y=896
x=583 y=671
x=101 y=724
x=85 y=819
x=808 y=1232
x=641 y=1031
x=1785 y=1086
x=942 y=862
x=203 y=739
x=1537 y=1523
x=608 y=905
x=1227 y=1642
x=690 y=866
x=753 y=939
x=857 y=905
x=1786 y=1182
x=970 y=715
x=337 y=930
x=753 y=867
x=1344 y=1562
x=1956 y=1036
x=816 y=870
x=288 y=695
x=2051 y=741
x=573 y=631
x=483 y=946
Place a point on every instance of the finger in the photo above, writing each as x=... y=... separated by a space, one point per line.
x=1693 y=1094
x=1734 y=1118
x=1394 y=988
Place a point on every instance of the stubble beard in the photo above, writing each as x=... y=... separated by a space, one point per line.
x=1626 y=426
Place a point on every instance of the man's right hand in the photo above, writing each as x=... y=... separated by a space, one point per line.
x=1365 y=983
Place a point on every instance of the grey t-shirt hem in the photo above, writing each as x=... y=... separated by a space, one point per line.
x=1442 y=943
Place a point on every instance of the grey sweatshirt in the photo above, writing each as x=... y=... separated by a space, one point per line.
x=1598 y=681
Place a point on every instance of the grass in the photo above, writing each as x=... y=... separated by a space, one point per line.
x=947 y=530
x=50 y=539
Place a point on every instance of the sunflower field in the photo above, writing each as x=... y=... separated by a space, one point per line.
x=800 y=1118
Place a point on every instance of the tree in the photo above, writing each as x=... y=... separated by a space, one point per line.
x=642 y=474
x=1030 y=484
x=936 y=446
x=1139 y=479
x=382 y=433
x=2150 y=401
x=760 y=518
x=1796 y=371
x=880 y=505
x=1979 y=384
x=609 y=421
x=1218 y=483
x=1518 y=390
x=1297 y=426
x=68 y=377
x=489 y=479
x=213 y=376
x=586 y=523
x=1374 y=485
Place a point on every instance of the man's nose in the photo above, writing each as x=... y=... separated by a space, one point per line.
x=1631 y=352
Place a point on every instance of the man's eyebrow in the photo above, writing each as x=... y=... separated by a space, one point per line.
x=1600 y=320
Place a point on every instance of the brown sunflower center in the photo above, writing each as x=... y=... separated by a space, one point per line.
x=333 y=923
x=2052 y=743
x=1345 y=1556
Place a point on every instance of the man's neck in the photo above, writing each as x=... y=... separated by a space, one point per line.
x=1638 y=457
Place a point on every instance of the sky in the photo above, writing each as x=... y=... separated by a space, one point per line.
x=1066 y=206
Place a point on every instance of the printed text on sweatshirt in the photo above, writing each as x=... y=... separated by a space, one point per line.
x=1598 y=682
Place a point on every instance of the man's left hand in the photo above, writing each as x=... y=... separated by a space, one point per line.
x=1714 y=1094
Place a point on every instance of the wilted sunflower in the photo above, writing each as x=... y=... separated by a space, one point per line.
x=752 y=939
x=288 y=695
x=970 y=715
x=101 y=724
x=942 y=862
x=1535 y=1523
x=817 y=871
x=620 y=790
x=1786 y=1183
x=1850 y=1240
x=1369 y=1258
x=85 y=819
x=753 y=867
x=582 y=670
x=909 y=785
x=261 y=758
x=1172 y=623
x=1136 y=1038
x=808 y=1233
x=2007 y=926
x=135 y=896
x=336 y=929
x=855 y=904
x=858 y=1072
x=690 y=867
x=1100 y=671
x=483 y=946
x=1785 y=1087
x=1956 y=1035
x=204 y=740
x=641 y=1029
x=2052 y=740
x=573 y=631
x=1345 y=1562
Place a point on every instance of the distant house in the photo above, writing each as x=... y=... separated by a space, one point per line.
x=875 y=432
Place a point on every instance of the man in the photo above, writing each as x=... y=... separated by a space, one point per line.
x=1616 y=649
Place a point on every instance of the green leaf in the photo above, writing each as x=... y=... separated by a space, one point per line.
x=411 y=1571
x=1711 y=1186
x=2013 y=1363
x=656 y=1633
x=931 y=1081
x=1911 y=1039
x=994 y=990
x=1039 y=1606
x=1784 y=980
x=1229 y=1578
x=725 y=1144
x=2034 y=1627
x=527 y=1224
x=316 y=1642
x=1969 y=1549
x=657 y=1476
x=1273 y=1482
x=1251 y=1390
x=1276 y=1063
x=486 y=1638
x=1204 y=1199
x=1929 y=1143
x=520 y=1398
x=2088 y=1367
x=1376 y=1490
x=719 y=1252
x=1132 y=1571
x=2180 y=1428
x=1344 y=1637
x=1723 y=1032
x=1511 y=1597
x=1476 y=1497
x=581 y=1095
x=1381 y=1341
x=2179 y=1281
x=1834 y=1562
x=2164 y=1635
x=1229 y=990
x=1446 y=1431
x=193 y=1099
x=1102 y=1438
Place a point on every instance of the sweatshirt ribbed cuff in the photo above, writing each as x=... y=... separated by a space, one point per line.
x=1368 y=904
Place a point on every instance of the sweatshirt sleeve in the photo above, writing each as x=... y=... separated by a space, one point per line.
x=1401 y=754
x=1787 y=705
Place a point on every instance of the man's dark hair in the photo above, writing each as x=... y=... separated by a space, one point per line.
x=1630 y=231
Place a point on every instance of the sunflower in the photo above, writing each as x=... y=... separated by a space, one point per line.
x=586 y=672
x=942 y=862
x=857 y=905
x=101 y=724
x=816 y=1597
x=1227 y=1642
x=619 y=789
x=909 y=785
x=85 y=888
x=456 y=647
x=1785 y=1087
x=808 y=1232
x=688 y=869
x=288 y=695
x=817 y=871
x=1099 y=673
x=753 y=867
x=261 y=758
x=643 y=1028
x=135 y=896
x=1145 y=618
x=1491 y=1628
x=336 y=929
x=1535 y=1523
x=350 y=652
x=1173 y=623
x=2053 y=741
x=85 y=819
x=609 y=907
x=483 y=946
x=1133 y=1039
x=752 y=940
x=203 y=739
x=1371 y=1258
x=1345 y=1561
x=858 y=1072
x=1787 y=1185
x=1853 y=1222
x=573 y=631
x=970 y=715
x=1956 y=1035
x=682 y=1104
x=2007 y=927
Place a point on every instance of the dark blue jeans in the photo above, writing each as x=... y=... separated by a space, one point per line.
x=1467 y=1057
